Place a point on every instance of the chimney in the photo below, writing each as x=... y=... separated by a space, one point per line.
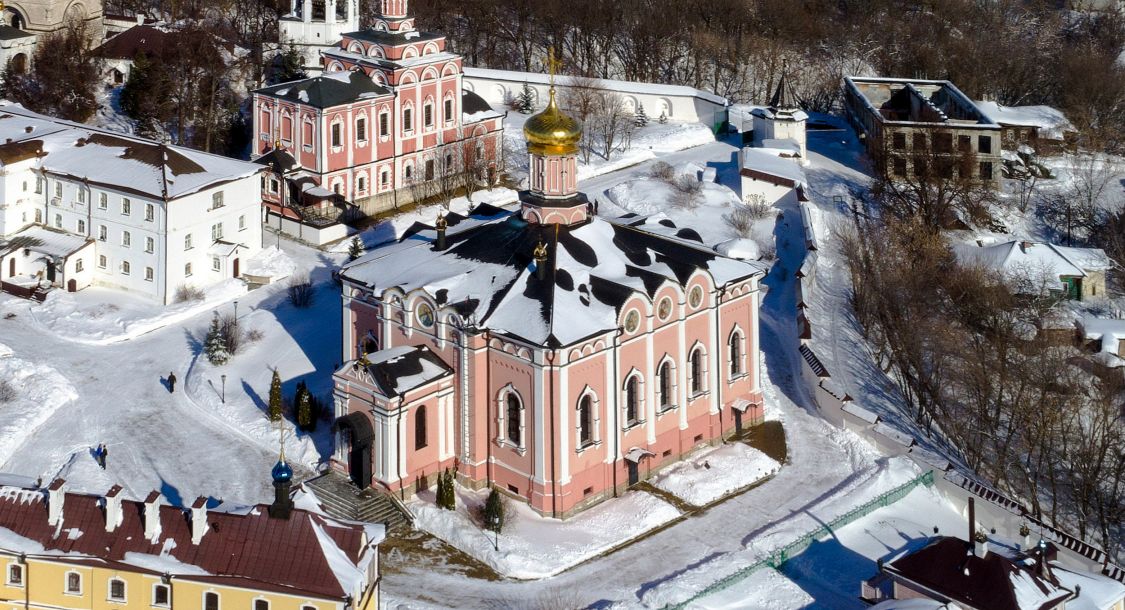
x=198 y=519
x=140 y=18
x=1026 y=245
x=55 y=497
x=152 y=516
x=113 y=515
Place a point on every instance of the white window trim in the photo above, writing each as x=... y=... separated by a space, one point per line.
x=595 y=421
x=8 y=576
x=66 y=583
x=742 y=369
x=343 y=136
x=109 y=591
x=663 y=406
x=641 y=419
x=153 y=603
x=703 y=372
x=203 y=599
x=501 y=420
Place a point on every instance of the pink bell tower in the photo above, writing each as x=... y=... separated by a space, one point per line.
x=552 y=146
x=394 y=16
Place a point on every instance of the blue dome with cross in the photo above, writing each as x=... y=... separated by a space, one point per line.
x=282 y=472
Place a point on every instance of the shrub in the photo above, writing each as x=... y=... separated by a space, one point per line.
x=187 y=292
x=662 y=171
x=741 y=220
x=757 y=206
x=253 y=335
x=494 y=511
x=300 y=291
x=231 y=333
x=275 y=406
x=688 y=192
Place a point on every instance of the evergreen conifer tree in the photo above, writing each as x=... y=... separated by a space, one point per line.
x=215 y=346
x=288 y=66
x=663 y=120
x=494 y=511
x=306 y=417
x=525 y=103
x=639 y=117
x=275 y=397
x=355 y=249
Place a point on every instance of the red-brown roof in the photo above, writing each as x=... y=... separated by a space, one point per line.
x=247 y=547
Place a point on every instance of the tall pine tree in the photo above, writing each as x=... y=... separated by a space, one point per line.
x=306 y=413
x=355 y=249
x=215 y=346
x=494 y=511
x=639 y=117
x=275 y=405
x=525 y=103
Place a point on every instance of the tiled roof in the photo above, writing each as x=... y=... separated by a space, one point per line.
x=244 y=546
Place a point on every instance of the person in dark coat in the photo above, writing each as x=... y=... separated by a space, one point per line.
x=172 y=383
x=100 y=454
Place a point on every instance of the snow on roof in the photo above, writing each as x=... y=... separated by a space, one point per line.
x=328 y=90
x=883 y=87
x=1051 y=122
x=1110 y=332
x=55 y=244
x=1023 y=256
x=1098 y=592
x=619 y=86
x=120 y=161
x=760 y=161
x=488 y=275
x=397 y=370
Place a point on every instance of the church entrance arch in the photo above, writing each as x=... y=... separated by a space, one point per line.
x=356 y=435
x=14 y=18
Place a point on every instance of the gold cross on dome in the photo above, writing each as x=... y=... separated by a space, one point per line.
x=553 y=64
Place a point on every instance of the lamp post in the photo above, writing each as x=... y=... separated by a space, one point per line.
x=496 y=533
x=236 y=309
x=223 y=397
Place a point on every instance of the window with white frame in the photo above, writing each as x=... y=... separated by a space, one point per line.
x=39 y=186
x=126 y=268
x=261 y=604
x=216 y=231
x=150 y=245
x=698 y=371
x=216 y=263
x=103 y=201
x=126 y=239
x=78 y=266
x=666 y=386
x=103 y=233
x=102 y=262
x=74 y=583
x=58 y=188
x=149 y=274
x=361 y=129
x=38 y=215
x=448 y=109
x=187 y=270
x=116 y=590
x=510 y=418
x=160 y=594
x=81 y=195
x=337 y=135
x=428 y=115
x=150 y=212
x=81 y=227
x=384 y=124
x=633 y=400
x=126 y=206
x=384 y=178
x=58 y=221
x=408 y=119
x=217 y=200
x=15 y=575
x=187 y=241
x=734 y=353
x=242 y=222
x=210 y=601
x=361 y=184
x=585 y=421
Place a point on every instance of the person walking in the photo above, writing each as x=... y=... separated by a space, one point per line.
x=100 y=454
x=171 y=383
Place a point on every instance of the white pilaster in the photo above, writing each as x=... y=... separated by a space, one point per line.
x=565 y=431
x=715 y=355
x=650 y=387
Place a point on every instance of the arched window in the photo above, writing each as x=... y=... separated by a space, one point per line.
x=15 y=575
x=512 y=408
x=210 y=601
x=408 y=119
x=408 y=172
x=697 y=371
x=666 y=386
x=361 y=129
x=420 y=428
x=632 y=401
x=585 y=421
x=735 y=355
x=117 y=589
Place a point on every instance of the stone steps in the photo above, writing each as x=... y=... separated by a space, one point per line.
x=342 y=500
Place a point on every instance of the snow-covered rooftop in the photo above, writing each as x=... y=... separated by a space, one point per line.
x=1023 y=257
x=120 y=161
x=762 y=161
x=1107 y=331
x=614 y=85
x=55 y=244
x=1051 y=122
x=488 y=275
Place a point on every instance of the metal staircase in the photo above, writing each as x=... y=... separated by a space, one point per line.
x=343 y=500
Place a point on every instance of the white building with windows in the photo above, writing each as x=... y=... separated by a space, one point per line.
x=81 y=206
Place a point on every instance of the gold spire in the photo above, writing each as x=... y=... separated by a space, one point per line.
x=441 y=222
x=552 y=132
x=540 y=252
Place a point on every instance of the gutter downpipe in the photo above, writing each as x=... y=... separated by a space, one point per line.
x=551 y=394
x=488 y=424
x=616 y=416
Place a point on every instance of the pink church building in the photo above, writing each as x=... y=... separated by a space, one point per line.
x=554 y=354
x=388 y=113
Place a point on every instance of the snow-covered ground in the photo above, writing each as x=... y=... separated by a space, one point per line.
x=716 y=472
x=37 y=392
x=532 y=546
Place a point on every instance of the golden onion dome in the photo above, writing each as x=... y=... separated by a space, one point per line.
x=552 y=132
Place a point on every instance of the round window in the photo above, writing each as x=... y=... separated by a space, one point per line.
x=664 y=309
x=696 y=296
x=425 y=315
x=632 y=321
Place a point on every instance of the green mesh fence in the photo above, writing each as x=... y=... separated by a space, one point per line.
x=780 y=556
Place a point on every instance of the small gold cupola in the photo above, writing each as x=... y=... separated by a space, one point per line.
x=552 y=131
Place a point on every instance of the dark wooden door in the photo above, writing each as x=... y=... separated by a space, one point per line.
x=235 y=267
x=737 y=421
x=71 y=286
x=634 y=472
x=51 y=272
x=11 y=267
